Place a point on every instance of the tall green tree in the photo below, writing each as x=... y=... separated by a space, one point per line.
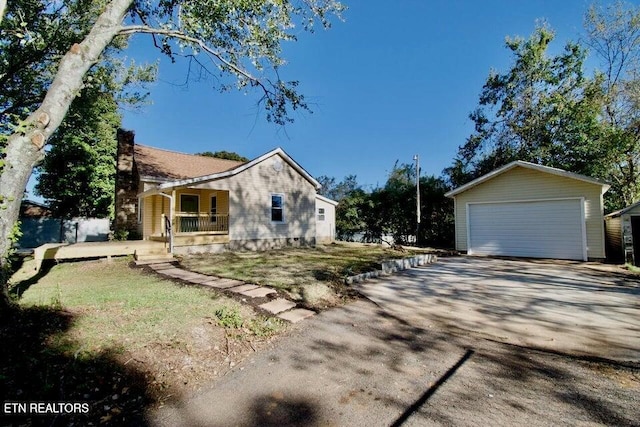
x=395 y=208
x=391 y=210
x=352 y=200
x=33 y=38
x=77 y=176
x=542 y=110
x=338 y=190
x=350 y=214
x=613 y=34
x=238 y=40
x=226 y=155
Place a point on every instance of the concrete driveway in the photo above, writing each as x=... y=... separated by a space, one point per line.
x=560 y=306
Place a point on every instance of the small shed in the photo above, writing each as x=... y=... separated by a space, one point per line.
x=623 y=235
x=527 y=210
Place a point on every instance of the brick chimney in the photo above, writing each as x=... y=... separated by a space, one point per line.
x=126 y=200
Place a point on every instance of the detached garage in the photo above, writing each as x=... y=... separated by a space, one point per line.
x=527 y=210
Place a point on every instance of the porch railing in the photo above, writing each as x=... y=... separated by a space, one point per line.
x=201 y=223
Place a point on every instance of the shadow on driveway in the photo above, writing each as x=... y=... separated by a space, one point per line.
x=359 y=366
x=563 y=307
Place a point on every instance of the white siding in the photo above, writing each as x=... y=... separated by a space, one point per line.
x=526 y=184
x=250 y=202
x=325 y=229
x=554 y=229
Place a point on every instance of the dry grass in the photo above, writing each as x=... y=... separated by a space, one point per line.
x=177 y=338
x=314 y=276
x=118 y=307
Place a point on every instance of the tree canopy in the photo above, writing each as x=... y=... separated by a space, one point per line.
x=391 y=209
x=542 y=110
x=226 y=155
x=337 y=190
x=613 y=35
x=545 y=109
x=77 y=176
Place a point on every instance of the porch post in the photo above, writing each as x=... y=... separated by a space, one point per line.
x=164 y=222
x=172 y=214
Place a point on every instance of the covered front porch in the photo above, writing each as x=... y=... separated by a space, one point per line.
x=185 y=217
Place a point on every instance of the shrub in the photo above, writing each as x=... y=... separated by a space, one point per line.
x=229 y=317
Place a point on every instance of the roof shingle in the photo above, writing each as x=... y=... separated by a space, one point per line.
x=165 y=164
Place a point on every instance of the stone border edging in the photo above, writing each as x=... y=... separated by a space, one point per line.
x=392 y=266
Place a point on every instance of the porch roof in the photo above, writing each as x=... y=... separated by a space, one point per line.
x=163 y=187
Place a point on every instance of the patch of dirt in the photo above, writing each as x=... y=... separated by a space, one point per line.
x=119 y=384
x=175 y=368
x=624 y=377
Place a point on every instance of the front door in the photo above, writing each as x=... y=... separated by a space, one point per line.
x=190 y=204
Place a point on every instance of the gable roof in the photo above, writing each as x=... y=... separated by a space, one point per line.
x=527 y=165
x=622 y=211
x=327 y=200
x=31 y=209
x=158 y=164
x=231 y=172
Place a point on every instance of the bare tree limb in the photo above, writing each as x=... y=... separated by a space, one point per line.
x=145 y=29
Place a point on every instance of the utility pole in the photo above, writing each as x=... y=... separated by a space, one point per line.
x=417 y=160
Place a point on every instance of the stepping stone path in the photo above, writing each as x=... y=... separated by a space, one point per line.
x=280 y=307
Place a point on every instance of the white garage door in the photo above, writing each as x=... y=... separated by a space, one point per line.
x=538 y=229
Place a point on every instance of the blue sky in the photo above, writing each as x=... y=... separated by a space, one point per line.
x=393 y=80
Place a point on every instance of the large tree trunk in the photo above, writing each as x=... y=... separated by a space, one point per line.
x=3 y=7
x=24 y=148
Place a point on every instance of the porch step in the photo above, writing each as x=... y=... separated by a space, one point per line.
x=152 y=258
x=158 y=250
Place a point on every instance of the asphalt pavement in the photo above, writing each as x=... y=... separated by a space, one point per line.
x=360 y=366
x=561 y=306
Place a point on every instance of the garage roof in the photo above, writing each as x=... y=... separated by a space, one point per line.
x=523 y=164
x=622 y=211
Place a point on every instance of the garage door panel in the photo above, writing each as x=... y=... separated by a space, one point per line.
x=541 y=229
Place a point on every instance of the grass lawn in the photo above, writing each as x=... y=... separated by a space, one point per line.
x=100 y=331
x=314 y=276
x=632 y=268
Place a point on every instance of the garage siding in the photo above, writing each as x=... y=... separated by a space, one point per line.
x=519 y=184
x=553 y=229
x=615 y=246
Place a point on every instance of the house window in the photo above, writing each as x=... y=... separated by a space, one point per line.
x=214 y=208
x=277 y=208
x=320 y=214
x=189 y=203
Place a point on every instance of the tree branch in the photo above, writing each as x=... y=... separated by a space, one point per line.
x=145 y=29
